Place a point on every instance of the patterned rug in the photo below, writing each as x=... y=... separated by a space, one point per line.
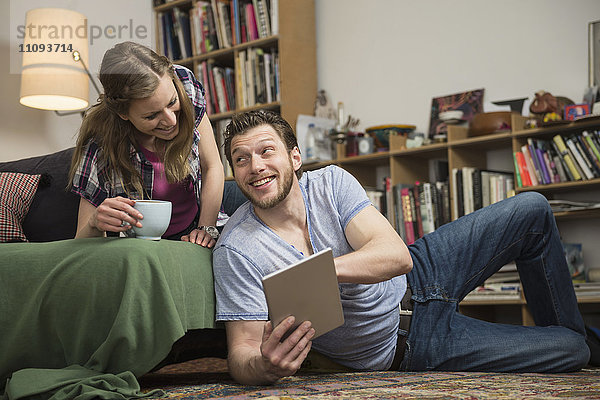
x=208 y=379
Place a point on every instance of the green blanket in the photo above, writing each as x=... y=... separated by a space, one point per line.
x=82 y=318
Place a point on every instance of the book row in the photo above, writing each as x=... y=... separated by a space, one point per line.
x=255 y=80
x=216 y=24
x=415 y=210
x=562 y=159
x=474 y=188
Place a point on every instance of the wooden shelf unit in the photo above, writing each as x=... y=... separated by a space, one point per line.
x=410 y=165
x=296 y=46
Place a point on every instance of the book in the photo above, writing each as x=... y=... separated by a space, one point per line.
x=242 y=85
x=407 y=214
x=467 y=186
x=459 y=193
x=416 y=210
x=426 y=208
x=251 y=22
x=566 y=156
x=398 y=214
x=274 y=17
x=477 y=192
x=444 y=198
x=262 y=18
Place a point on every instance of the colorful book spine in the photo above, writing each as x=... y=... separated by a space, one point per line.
x=517 y=170
x=544 y=168
x=522 y=168
x=408 y=219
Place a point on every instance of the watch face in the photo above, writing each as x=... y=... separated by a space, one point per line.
x=212 y=231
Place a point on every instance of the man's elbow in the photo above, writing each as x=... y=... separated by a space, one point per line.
x=404 y=259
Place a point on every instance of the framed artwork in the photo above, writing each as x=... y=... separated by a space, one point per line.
x=594 y=53
x=470 y=103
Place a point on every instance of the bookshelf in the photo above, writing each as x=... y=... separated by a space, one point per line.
x=410 y=165
x=293 y=42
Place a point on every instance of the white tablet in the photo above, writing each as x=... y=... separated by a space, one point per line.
x=308 y=290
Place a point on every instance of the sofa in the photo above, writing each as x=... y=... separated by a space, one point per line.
x=91 y=315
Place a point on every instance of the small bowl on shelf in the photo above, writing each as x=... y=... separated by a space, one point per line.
x=451 y=116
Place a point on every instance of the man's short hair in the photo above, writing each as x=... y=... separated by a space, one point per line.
x=243 y=122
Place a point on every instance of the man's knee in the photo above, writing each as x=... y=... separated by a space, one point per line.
x=575 y=352
x=533 y=204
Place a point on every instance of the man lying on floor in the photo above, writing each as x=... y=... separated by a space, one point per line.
x=292 y=214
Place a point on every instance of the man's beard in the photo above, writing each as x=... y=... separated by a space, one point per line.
x=283 y=189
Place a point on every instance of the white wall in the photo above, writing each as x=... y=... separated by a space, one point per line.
x=386 y=59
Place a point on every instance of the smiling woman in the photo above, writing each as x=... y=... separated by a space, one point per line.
x=143 y=141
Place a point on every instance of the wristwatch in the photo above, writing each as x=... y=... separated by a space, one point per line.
x=211 y=230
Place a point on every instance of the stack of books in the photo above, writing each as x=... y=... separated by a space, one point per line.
x=587 y=289
x=503 y=285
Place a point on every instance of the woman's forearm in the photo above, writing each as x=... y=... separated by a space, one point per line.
x=211 y=195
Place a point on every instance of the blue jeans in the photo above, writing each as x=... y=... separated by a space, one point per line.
x=458 y=257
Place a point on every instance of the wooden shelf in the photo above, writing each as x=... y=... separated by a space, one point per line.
x=172 y=4
x=562 y=186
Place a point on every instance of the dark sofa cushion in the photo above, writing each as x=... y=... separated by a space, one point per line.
x=16 y=193
x=53 y=211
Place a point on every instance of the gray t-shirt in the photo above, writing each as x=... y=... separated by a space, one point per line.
x=248 y=250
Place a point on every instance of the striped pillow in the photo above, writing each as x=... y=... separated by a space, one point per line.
x=16 y=193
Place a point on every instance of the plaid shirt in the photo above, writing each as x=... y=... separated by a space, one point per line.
x=92 y=180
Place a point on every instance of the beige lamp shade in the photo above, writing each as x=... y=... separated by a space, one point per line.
x=51 y=79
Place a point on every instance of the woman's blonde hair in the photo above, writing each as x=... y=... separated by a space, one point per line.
x=130 y=71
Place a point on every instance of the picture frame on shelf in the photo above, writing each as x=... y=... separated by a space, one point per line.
x=575 y=111
x=469 y=102
x=594 y=53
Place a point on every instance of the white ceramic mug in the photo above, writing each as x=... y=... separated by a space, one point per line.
x=157 y=216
